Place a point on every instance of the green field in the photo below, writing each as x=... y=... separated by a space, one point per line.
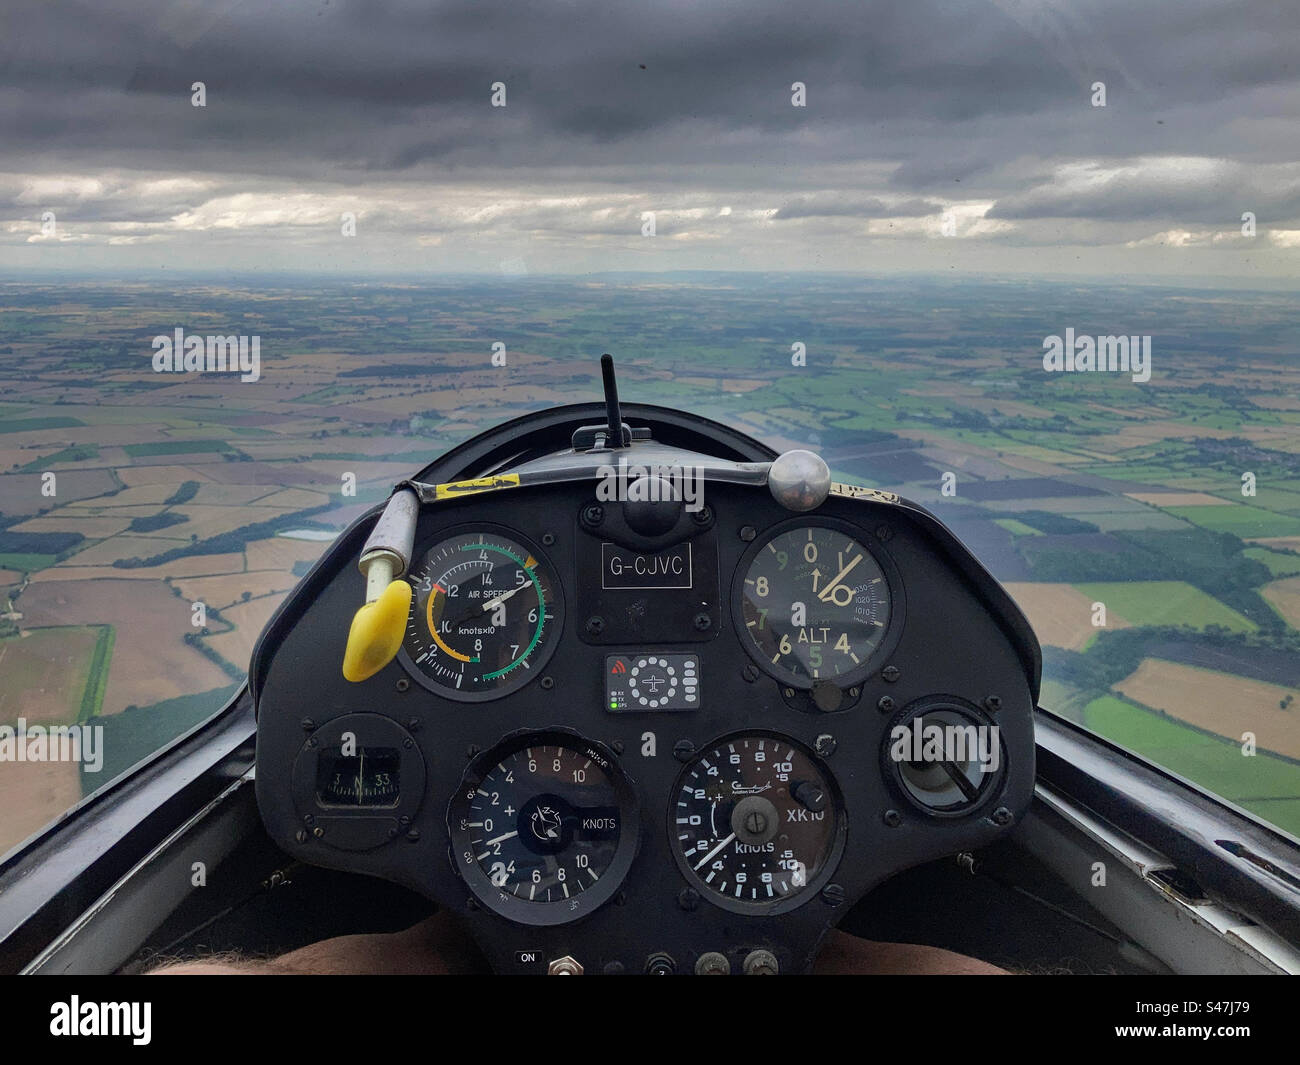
x=93 y=697
x=32 y=425
x=175 y=447
x=1240 y=519
x=1265 y=784
x=1279 y=563
x=1165 y=603
x=26 y=561
x=1018 y=528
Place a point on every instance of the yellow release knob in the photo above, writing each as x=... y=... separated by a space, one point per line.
x=376 y=632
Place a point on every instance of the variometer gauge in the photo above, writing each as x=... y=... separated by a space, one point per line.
x=484 y=617
x=756 y=824
x=544 y=827
x=815 y=604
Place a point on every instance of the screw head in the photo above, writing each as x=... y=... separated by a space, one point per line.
x=833 y=894
x=308 y=725
x=595 y=625
x=403 y=684
x=300 y=836
x=688 y=899
x=750 y=673
x=892 y=818
x=884 y=532
x=825 y=745
x=683 y=750
x=788 y=693
x=992 y=704
x=890 y=673
x=703 y=516
x=748 y=532
x=548 y=683
x=617 y=747
x=413 y=725
x=703 y=622
x=886 y=704
x=593 y=515
x=548 y=539
x=1002 y=816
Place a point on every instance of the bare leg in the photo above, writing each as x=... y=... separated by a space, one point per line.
x=843 y=954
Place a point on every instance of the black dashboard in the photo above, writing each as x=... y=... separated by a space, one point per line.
x=622 y=736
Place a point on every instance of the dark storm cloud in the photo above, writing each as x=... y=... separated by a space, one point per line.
x=373 y=85
x=977 y=110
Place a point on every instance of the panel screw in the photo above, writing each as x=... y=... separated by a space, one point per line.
x=617 y=747
x=413 y=835
x=886 y=705
x=318 y=832
x=788 y=693
x=308 y=820
x=884 y=532
x=614 y=968
x=413 y=725
x=893 y=818
x=593 y=515
x=408 y=743
x=992 y=704
x=403 y=684
x=748 y=532
x=404 y=821
x=1002 y=816
x=854 y=692
x=702 y=622
x=595 y=625
x=472 y=751
x=832 y=894
x=825 y=745
x=301 y=835
x=703 y=516
x=890 y=673
x=750 y=673
x=689 y=900
x=308 y=725
x=313 y=742
x=548 y=539
x=683 y=750
x=548 y=683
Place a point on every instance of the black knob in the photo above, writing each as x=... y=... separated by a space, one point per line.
x=652 y=506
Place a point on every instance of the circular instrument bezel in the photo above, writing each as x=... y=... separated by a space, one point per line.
x=893 y=580
x=784 y=904
x=561 y=911
x=971 y=714
x=347 y=827
x=552 y=627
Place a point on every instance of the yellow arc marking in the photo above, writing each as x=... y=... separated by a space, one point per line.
x=433 y=630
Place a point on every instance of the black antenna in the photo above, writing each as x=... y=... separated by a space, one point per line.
x=614 y=415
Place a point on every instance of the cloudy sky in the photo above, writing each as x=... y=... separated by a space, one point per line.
x=959 y=135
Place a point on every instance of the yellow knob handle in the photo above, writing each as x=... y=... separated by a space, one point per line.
x=376 y=632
